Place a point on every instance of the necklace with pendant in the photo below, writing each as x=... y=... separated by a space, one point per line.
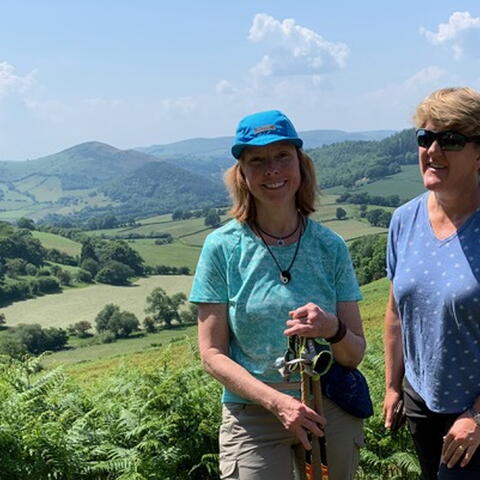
x=280 y=240
x=285 y=275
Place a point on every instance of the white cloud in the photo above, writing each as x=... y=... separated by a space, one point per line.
x=427 y=77
x=292 y=49
x=458 y=26
x=224 y=87
x=10 y=82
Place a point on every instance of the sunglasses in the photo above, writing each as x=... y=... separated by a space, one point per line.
x=448 y=141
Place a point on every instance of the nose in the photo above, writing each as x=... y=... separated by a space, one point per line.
x=271 y=167
x=434 y=148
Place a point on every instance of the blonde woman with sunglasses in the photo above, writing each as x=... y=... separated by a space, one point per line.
x=432 y=321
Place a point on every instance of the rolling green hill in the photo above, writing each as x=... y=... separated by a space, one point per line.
x=189 y=235
x=350 y=164
x=93 y=179
x=406 y=184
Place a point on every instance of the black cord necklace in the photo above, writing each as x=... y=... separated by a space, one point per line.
x=285 y=275
x=280 y=240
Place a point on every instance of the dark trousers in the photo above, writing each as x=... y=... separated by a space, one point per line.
x=428 y=429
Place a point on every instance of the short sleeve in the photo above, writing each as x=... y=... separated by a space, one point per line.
x=210 y=280
x=392 y=247
x=345 y=278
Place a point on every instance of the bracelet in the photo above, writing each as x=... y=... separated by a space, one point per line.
x=339 y=334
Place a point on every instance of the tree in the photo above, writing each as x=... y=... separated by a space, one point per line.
x=374 y=216
x=163 y=308
x=64 y=277
x=88 y=251
x=90 y=265
x=340 y=213
x=363 y=210
x=149 y=325
x=212 y=218
x=103 y=317
x=37 y=339
x=190 y=315
x=368 y=256
x=120 y=324
x=115 y=273
x=83 y=276
x=15 y=267
x=120 y=251
x=384 y=220
x=27 y=223
x=80 y=329
x=177 y=214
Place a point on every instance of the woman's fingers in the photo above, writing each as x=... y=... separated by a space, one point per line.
x=461 y=442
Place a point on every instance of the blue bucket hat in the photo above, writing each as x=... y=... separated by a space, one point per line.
x=263 y=128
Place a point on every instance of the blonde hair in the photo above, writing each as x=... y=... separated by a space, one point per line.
x=455 y=108
x=243 y=202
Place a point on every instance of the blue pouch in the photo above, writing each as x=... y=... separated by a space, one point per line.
x=348 y=388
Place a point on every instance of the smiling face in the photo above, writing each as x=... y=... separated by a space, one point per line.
x=272 y=173
x=449 y=171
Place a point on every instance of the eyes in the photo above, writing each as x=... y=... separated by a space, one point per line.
x=283 y=156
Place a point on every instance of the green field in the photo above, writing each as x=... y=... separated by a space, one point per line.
x=174 y=254
x=140 y=344
x=190 y=234
x=406 y=184
x=91 y=362
x=50 y=240
x=36 y=196
x=63 y=306
x=74 y=305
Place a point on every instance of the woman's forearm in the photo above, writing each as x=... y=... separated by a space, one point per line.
x=394 y=365
x=238 y=380
x=349 y=351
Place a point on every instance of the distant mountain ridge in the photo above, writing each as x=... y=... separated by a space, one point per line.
x=222 y=145
x=93 y=179
x=211 y=156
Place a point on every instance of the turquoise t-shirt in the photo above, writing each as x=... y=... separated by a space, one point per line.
x=236 y=268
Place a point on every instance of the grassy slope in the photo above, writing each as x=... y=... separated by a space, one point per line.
x=111 y=354
x=61 y=310
x=50 y=240
x=105 y=358
x=190 y=234
x=406 y=184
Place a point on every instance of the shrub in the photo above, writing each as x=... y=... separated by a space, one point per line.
x=120 y=324
x=115 y=273
x=83 y=276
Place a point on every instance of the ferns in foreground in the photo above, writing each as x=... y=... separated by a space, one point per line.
x=146 y=424
x=135 y=425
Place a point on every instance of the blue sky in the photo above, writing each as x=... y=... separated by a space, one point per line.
x=148 y=72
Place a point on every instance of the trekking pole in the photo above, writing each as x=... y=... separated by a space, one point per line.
x=312 y=358
x=313 y=463
x=322 y=442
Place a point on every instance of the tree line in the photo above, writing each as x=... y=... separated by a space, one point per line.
x=346 y=163
x=109 y=325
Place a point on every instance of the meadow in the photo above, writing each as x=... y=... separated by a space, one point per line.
x=406 y=184
x=50 y=240
x=78 y=304
x=190 y=234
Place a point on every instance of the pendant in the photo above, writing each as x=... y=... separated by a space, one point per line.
x=280 y=242
x=285 y=277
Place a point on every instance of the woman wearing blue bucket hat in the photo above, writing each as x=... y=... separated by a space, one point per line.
x=269 y=274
